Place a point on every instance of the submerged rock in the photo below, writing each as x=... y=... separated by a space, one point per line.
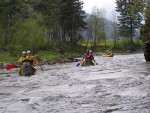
x=147 y=52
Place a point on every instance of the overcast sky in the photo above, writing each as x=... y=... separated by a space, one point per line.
x=108 y=5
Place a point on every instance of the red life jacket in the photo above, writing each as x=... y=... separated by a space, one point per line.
x=88 y=56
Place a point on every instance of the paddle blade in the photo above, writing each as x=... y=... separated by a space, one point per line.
x=10 y=66
x=96 y=63
x=78 y=64
x=41 y=68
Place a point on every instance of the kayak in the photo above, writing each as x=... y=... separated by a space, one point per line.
x=108 y=55
x=26 y=70
x=87 y=62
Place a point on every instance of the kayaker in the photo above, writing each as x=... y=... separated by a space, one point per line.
x=31 y=58
x=85 y=55
x=22 y=60
x=108 y=53
x=90 y=56
x=88 y=59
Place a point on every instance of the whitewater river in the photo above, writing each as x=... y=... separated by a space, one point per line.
x=120 y=84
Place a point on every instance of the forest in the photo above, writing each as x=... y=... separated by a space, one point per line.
x=63 y=27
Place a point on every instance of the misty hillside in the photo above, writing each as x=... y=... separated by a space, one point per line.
x=108 y=27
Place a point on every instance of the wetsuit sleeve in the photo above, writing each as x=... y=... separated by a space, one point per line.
x=34 y=60
x=20 y=60
x=92 y=57
x=84 y=56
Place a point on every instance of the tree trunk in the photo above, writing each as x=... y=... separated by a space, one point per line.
x=105 y=42
x=131 y=33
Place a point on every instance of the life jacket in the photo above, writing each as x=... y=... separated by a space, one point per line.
x=89 y=56
x=31 y=60
x=22 y=60
x=85 y=56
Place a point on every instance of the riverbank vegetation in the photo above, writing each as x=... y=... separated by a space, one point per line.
x=57 y=29
x=54 y=55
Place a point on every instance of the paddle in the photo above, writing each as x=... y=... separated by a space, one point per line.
x=78 y=64
x=95 y=62
x=10 y=66
x=41 y=67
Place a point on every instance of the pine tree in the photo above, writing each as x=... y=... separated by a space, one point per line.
x=71 y=18
x=63 y=18
x=145 y=33
x=130 y=17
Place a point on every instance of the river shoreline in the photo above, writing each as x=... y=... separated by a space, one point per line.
x=74 y=58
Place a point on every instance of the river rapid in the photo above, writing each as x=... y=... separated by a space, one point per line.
x=119 y=84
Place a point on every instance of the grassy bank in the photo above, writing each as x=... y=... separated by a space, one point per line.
x=45 y=55
x=7 y=57
x=54 y=56
x=122 y=46
x=66 y=51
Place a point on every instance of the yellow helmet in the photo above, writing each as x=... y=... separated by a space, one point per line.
x=90 y=51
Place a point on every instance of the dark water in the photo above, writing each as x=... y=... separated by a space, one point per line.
x=120 y=84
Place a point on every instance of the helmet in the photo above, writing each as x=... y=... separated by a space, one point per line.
x=23 y=52
x=87 y=50
x=90 y=51
x=28 y=51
